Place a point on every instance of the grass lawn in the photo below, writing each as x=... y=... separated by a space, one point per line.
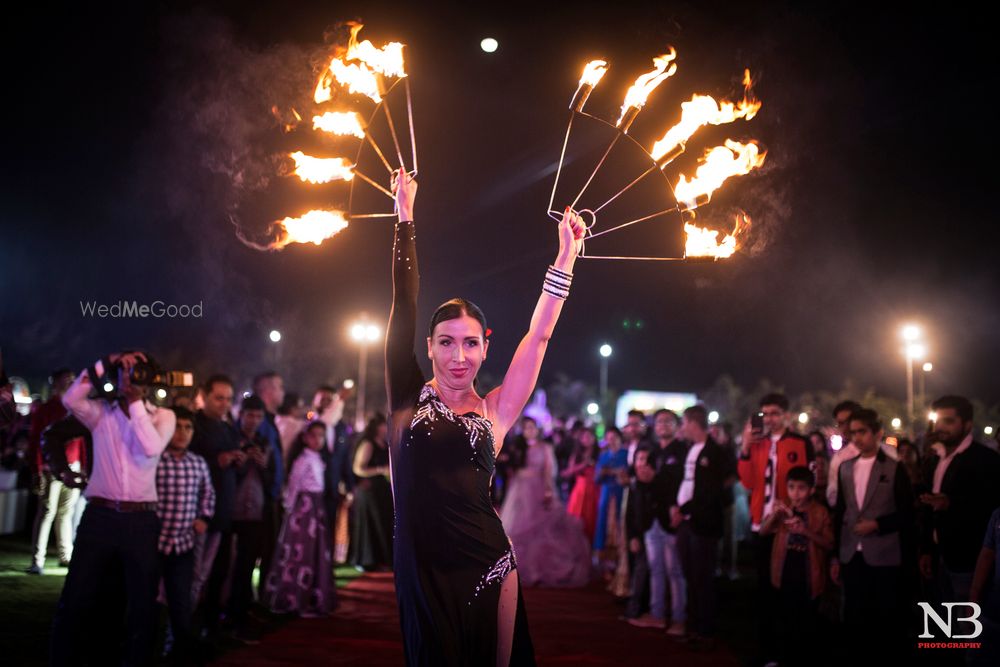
x=27 y=603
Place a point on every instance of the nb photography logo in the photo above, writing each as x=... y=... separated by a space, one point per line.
x=133 y=309
x=950 y=625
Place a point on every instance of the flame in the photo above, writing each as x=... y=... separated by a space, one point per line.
x=593 y=72
x=388 y=60
x=323 y=87
x=321 y=170
x=704 y=110
x=340 y=123
x=288 y=123
x=719 y=163
x=357 y=77
x=314 y=227
x=647 y=83
x=701 y=241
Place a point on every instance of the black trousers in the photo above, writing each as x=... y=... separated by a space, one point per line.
x=874 y=613
x=178 y=575
x=114 y=562
x=250 y=540
x=766 y=598
x=273 y=516
x=699 y=555
x=212 y=602
x=638 y=602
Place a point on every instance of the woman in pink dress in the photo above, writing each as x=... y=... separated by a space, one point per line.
x=583 y=498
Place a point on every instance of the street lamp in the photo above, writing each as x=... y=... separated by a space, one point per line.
x=275 y=336
x=803 y=418
x=713 y=417
x=363 y=333
x=914 y=350
x=927 y=368
x=605 y=351
x=896 y=423
x=592 y=408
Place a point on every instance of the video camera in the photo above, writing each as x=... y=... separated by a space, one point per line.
x=146 y=373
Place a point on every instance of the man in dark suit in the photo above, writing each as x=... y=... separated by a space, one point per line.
x=871 y=521
x=964 y=492
x=697 y=515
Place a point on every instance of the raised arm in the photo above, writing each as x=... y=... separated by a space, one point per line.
x=403 y=378
x=507 y=400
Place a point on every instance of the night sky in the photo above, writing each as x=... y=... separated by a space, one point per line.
x=137 y=137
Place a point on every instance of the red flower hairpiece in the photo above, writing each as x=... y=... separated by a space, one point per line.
x=489 y=332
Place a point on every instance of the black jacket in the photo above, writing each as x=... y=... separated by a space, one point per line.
x=972 y=484
x=212 y=437
x=714 y=473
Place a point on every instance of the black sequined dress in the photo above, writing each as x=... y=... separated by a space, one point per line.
x=450 y=551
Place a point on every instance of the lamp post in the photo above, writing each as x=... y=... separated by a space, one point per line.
x=927 y=368
x=275 y=338
x=363 y=332
x=914 y=350
x=605 y=351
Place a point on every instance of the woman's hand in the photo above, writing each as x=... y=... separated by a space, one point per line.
x=405 y=189
x=571 y=232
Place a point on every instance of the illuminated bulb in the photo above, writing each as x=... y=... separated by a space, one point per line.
x=803 y=418
x=932 y=416
x=988 y=430
x=489 y=45
x=836 y=442
x=275 y=335
x=371 y=332
x=161 y=394
x=108 y=387
x=916 y=350
x=928 y=367
x=605 y=350
x=713 y=417
x=592 y=408
x=247 y=394
x=896 y=422
x=911 y=332
x=348 y=383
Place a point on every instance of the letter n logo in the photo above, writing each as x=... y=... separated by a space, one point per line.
x=945 y=625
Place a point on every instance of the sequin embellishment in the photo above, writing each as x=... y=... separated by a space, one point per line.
x=498 y=572
x=431 y=407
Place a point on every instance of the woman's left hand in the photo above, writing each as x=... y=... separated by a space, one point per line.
x=405 y=190
x=571 y=232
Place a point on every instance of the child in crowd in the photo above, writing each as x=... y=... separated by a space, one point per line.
x=300 y=578
x=803 y=539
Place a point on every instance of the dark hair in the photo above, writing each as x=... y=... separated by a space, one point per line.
x=699 y=415
x=801 y=474
x=664 y=411
x=183 y=413
x=59 y=373
x=850 y=406
x=299 y=445
x=775 y=399
x=613 y=429
x=369 y=433
x=959 y=404
x=529 y=418
x=869 y=418
x=216 y=379
x=289 y=403
x=454 y=309
x=252 y=402
x=260 y=377
x=637 y=413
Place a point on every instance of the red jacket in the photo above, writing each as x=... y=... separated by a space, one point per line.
x=792 y=450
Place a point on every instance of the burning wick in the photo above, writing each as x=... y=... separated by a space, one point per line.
x=635 y=98
x=592 y=74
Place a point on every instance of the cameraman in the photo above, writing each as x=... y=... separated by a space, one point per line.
x=116 y=542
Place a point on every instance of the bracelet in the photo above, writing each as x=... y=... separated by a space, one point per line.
x=557 y=283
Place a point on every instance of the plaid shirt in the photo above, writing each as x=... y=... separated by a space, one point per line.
x=184 y=487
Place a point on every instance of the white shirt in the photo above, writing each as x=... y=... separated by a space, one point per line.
x=307 y=476
x=945 y=461
x=686 y=491
x=127 y=448
x=846 y=453
x=862 y=473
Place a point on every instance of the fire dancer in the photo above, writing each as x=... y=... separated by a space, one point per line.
x=456 y=578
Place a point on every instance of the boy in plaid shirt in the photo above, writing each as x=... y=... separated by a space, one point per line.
x=186 y=503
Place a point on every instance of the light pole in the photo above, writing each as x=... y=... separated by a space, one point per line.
x=275 y=338
x=363 y=332
x=927 y=368
x=605 y=351
x=914 y=350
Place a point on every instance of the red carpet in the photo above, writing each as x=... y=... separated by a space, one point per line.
x=569 y=627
